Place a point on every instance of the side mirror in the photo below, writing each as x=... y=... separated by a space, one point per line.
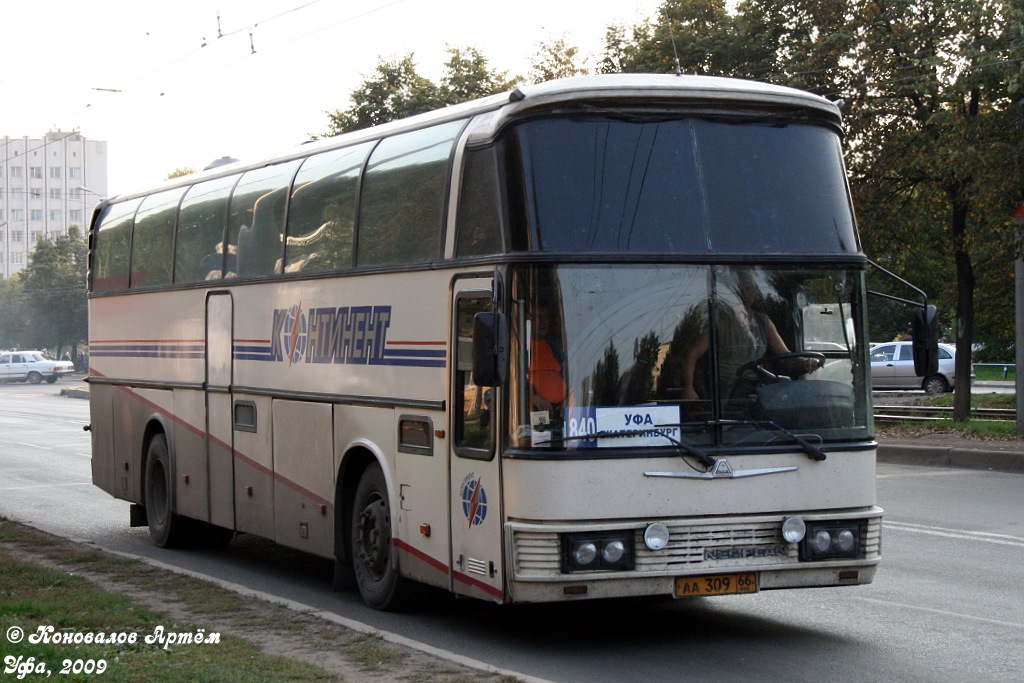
x=925 y=332
x=490 y=349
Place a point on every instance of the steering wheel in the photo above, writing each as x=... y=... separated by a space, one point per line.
x=756 y=368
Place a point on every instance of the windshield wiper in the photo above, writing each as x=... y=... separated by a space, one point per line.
x=809 y=448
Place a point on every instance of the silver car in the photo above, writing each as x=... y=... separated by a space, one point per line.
x=892 y=367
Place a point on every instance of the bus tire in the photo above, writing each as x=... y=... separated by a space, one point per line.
x=165 y=527
x=376 y=573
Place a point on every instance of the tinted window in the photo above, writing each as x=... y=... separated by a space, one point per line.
x=322 y=212
x=683 y=186
x=480 y=215
x=199 y=250
x=112 y=249
x=153 y=243
x=403 y=199
x=256 y=223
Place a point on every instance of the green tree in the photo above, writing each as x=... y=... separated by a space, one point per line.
x=936 y=149
x=396 y=90
x=697 y=33
x=468 y=76
x=12 y=319
x=54 y=306
x=555 y=59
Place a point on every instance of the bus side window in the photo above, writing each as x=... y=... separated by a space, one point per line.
x=474 y=410
x=479 y=228
x=199 y=249
x=256 y=221
x=322 y=211
x=113 y=242
x=404 y=194
x=153 y=243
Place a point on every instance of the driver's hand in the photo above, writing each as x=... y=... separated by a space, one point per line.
x=812 y=364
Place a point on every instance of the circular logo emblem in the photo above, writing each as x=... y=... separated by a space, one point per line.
x=474 y=500
x=293 y=334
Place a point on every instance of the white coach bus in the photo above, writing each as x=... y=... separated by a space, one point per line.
x=598 y=337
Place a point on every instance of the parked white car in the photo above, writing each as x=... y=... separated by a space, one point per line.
x=32 y=366
x=892 y=367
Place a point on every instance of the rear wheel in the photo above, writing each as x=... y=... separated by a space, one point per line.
x=376 y=571
x=167 y=529
x=51 y=380
x=34 y=377
x=934 y=385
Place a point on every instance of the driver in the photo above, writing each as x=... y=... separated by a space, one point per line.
x=744 y=334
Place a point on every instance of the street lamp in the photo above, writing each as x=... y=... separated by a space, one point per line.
x=86 y=218
x=83 y=188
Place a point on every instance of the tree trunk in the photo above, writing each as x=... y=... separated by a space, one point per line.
x=964 y=309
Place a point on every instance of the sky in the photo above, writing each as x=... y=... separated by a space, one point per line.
x=177 y=84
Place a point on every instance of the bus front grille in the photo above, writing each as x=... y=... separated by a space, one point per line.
x=537 y=552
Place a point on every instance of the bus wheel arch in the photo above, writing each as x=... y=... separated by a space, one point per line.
x=351 y=471
x=368 y=529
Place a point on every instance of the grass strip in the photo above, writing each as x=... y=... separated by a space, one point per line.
x=47 y=581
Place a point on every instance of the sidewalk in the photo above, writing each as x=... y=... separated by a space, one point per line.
x=947 y=450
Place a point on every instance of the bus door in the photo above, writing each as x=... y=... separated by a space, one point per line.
x=475 y=490
x=219 y=336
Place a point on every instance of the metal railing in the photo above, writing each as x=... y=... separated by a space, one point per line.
x=1005 y=366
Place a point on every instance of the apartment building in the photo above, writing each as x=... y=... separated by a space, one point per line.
x=47 y=184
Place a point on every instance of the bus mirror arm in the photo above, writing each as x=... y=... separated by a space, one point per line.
x=490 y=349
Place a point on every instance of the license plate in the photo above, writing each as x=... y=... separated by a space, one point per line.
x=716 y=584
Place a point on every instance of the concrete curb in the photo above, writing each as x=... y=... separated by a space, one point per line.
x=75 y=392
x=952 y=456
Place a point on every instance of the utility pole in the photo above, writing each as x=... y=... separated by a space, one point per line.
x=1019 y=306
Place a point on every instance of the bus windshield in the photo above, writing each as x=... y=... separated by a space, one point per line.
x=685 y=186
x=649 y=355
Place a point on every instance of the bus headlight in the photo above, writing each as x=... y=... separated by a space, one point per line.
x=830 y=541
x=656 y=536
x=611 y=551
x=793 y=529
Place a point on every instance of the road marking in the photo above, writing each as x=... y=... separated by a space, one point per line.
x=983 y=536
x=45 y=486
x=32 y=445
x=942 y=612
x=920 y=471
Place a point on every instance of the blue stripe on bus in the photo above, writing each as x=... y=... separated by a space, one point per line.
x=414 y=353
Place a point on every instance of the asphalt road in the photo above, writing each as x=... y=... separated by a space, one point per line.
x=946 y=605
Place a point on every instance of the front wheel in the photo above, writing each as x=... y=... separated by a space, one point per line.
x=376 y=571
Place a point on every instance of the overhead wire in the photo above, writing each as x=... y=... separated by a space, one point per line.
x=192 y=53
